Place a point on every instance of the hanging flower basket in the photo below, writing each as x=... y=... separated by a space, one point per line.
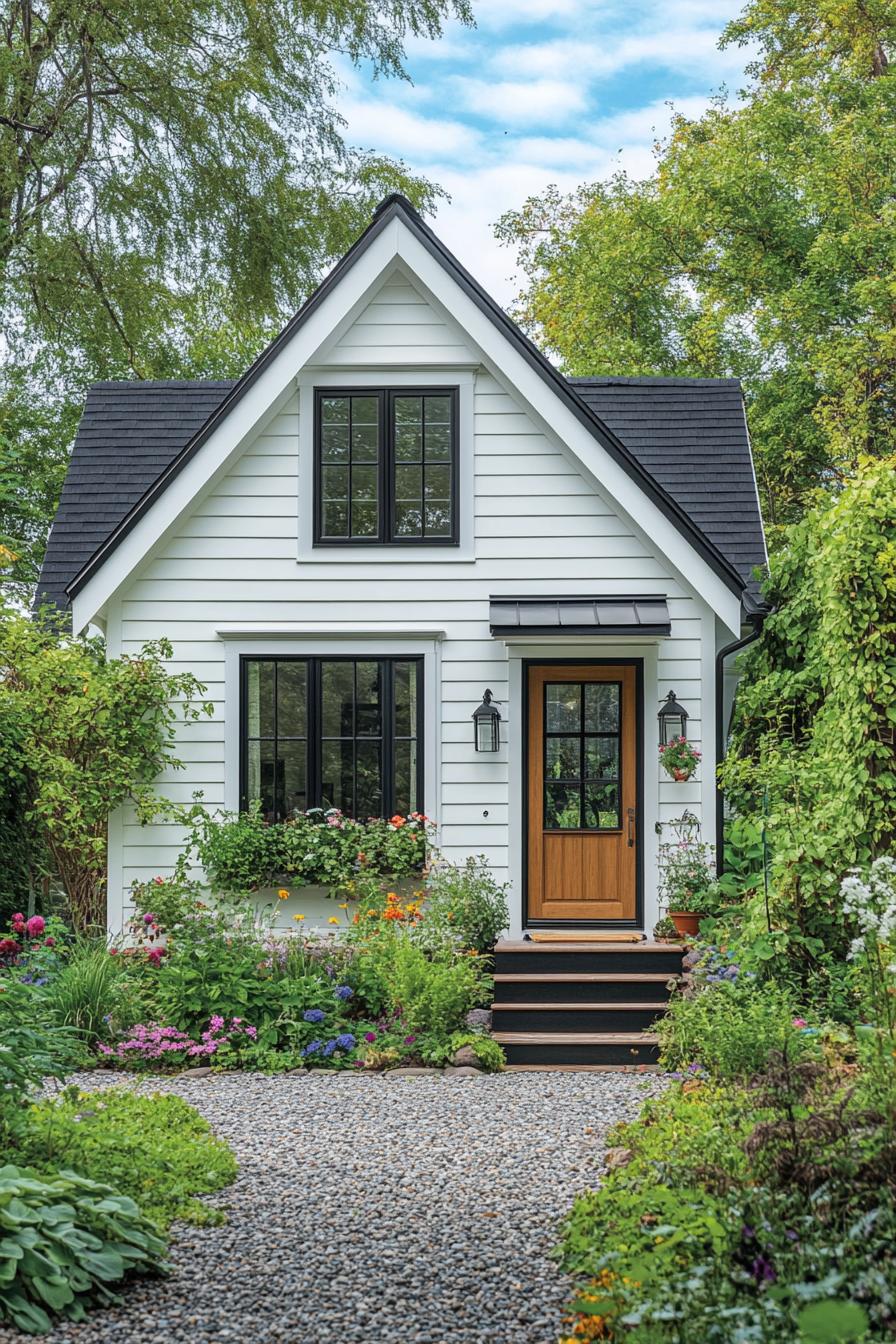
x=679 y=759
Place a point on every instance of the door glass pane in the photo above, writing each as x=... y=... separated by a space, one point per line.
x=260 y=698
x=337 y=699
x=292 y=696
x=602 y=707
x=562 y=757
x=562 y=807
x=368 y=721
x=602 y=806
x=602 y=757
x=563 y=707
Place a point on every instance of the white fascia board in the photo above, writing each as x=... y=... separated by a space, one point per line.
x=558 y=421
x=274 y=385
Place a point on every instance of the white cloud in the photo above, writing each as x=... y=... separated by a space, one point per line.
x=396 y=130
x=521 y=102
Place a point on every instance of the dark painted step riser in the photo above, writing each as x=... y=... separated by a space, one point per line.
x=546 y=1019
x=570 y=1053
x=550 y=962
x=581 y=991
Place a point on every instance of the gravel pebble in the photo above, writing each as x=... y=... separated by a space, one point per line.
x=377 y=1211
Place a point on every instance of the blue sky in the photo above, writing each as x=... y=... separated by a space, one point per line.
x=541 y=91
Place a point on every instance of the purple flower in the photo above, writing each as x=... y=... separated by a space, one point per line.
x=314 y=1014
x=343 y=991
x=763 y=1270
x=312 y=1048
x=370 y=1036
x=346 y=1041
x=149 y=919
x=409 y=1040
x=329 y=1048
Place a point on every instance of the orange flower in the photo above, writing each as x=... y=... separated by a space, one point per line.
x=283 y=894
x=356 y=919
x=396 y=821
x=391 y=899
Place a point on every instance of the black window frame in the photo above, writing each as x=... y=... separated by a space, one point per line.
x=314 y=721
x=386 y=467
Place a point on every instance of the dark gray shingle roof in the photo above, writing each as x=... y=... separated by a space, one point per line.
x=689 y=434
x=128 y=434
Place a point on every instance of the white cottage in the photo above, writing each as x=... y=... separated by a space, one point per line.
x=399 y=509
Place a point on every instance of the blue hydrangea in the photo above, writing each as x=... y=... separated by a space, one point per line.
x=314 y=1015
x=346 y=1041
x=312 y=1048
x=343 y=991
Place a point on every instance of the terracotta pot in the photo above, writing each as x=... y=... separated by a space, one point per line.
x=681 y=776
x=685 y=921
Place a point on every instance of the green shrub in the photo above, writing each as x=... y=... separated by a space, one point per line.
x=432 y=994
x=487 y=1051
x=731 y=1027
x=66 y=1240
x=157 y=1150
x=31 y=1049
x=466 y=899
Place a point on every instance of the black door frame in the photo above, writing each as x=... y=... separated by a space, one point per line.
x=585 y=661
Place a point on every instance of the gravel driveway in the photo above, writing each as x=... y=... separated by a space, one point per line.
x=371 y=1210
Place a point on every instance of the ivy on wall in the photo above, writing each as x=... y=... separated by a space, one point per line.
x=813 y=750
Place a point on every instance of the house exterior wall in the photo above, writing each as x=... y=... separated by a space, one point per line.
x=238 y=575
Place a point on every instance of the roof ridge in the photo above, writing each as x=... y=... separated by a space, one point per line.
x=649 y=380
x=151 y=384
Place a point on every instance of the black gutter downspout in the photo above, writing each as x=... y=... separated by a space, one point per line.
x=734 y=647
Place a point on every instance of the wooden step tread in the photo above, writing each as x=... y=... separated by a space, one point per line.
x=520 y=945
x=580 y=978
x=515 y=1007
x=575 y=1038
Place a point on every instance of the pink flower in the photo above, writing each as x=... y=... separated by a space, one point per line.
x=370 y=1036
x=49 y=942
x=35 y=926
x=800 y=1022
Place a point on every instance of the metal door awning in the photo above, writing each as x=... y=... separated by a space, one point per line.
x=579 y=616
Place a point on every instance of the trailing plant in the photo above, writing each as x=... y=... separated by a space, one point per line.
x=91 y=733
x=241 y=852
x=67 y=1242
x=686 y=870
x=156 y=1150
x=679 y=758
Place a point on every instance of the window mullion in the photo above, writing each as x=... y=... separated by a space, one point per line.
x=387 y=736
x=387 y=470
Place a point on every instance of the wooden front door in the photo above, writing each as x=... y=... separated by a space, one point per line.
x=583 y=791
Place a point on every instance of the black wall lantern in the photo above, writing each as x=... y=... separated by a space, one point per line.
x=673 y=719
x=485 y=724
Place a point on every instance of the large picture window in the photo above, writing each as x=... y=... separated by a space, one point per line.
x=332 y=732
x=385 y=466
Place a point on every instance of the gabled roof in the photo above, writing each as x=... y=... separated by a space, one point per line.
x=104 y=456
x=690 y=434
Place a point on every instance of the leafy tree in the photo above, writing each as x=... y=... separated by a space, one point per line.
x=813 y=752
x=762 y=247
x=79 y=736
x=173 y=180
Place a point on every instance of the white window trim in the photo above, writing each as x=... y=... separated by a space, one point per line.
x=319 y=646
x=310 y=378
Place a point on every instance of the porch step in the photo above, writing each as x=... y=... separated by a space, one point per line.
x=567 y=987
x=575 y=1017
x=578 y=1049
x=523 y=958
x=580 y=1005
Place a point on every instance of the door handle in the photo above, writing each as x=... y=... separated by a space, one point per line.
x=631 y=827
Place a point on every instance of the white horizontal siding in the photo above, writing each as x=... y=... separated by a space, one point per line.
x=540 y=527
x=400 y=327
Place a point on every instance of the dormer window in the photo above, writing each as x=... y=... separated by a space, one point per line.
x=385 y=466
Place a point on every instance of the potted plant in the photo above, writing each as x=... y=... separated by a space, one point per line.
x=679 y=759
x=664 y=931
x=692 y=905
